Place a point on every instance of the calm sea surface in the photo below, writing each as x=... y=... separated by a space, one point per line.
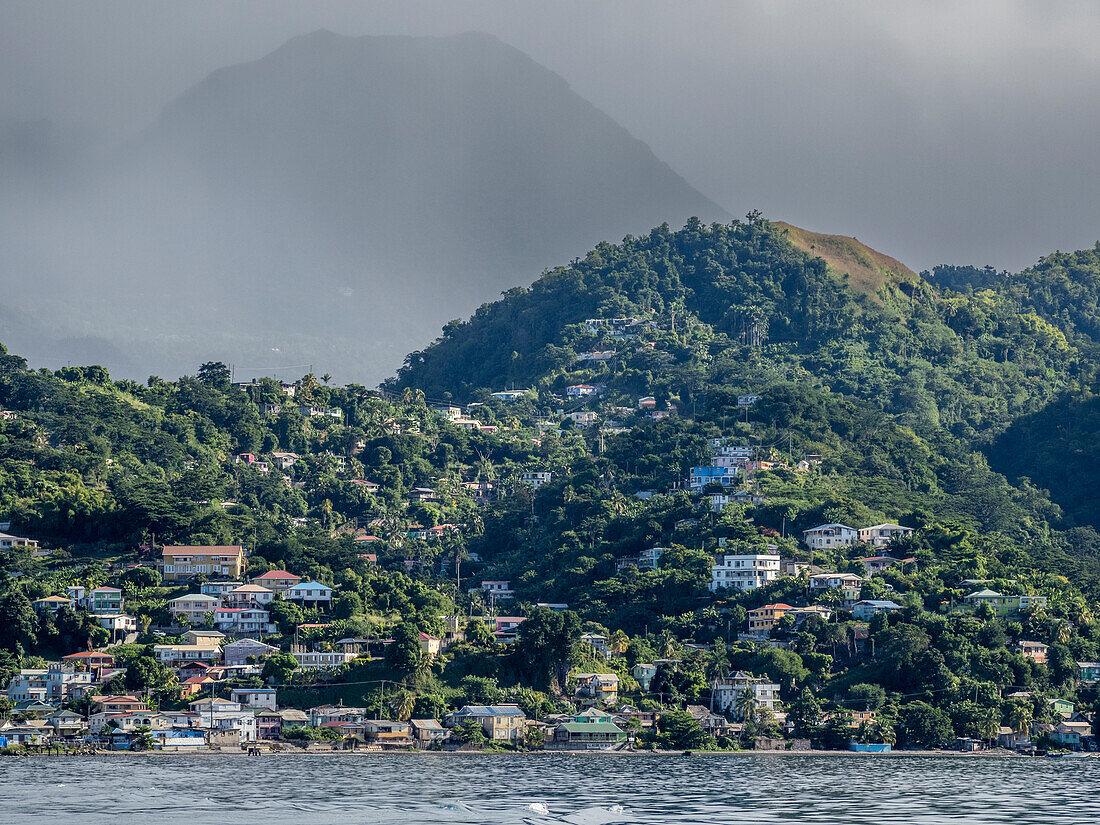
x=544 y=790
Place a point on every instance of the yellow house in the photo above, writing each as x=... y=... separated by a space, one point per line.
x=181 y=563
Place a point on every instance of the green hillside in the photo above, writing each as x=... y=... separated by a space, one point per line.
x=631 y=367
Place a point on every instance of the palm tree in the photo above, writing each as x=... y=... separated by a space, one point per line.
x=403 y=706
x=746 y=704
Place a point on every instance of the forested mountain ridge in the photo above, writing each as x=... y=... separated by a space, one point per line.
x=590 y=401
x=765 y=311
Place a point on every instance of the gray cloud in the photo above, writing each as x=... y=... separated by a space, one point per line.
x=936 y=131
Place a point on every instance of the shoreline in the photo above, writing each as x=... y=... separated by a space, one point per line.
x=235 y=753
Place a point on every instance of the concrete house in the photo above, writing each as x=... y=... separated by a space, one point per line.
x=181 y=563
x=828 y=536
x=316 y=594
x=193 y=606
x=744 y=571
x=501 y=723
x=880 y=535
x=726 y=691
x=278 y=581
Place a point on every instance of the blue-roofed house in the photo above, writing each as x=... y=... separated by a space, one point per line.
x=312 y=593
x=501 y=723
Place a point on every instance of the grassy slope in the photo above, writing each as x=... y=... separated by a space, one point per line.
x=868 y=270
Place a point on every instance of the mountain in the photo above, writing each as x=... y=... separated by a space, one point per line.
x=857 y=323
x=335 y=201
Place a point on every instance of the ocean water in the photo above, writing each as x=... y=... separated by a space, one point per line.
x=547 y=789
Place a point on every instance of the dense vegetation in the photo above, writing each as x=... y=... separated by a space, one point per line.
x=901 y=386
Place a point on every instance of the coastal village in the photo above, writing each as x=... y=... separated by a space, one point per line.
x=380 y=610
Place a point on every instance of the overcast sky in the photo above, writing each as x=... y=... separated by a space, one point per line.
x=962 y=132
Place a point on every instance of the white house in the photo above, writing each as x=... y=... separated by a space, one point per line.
x=241 y=620
x=193 y=606
x=580 y=390
x=537 y=478
x=239 y=652
x=726 y=691
x=254 y=697
x=835 y=581
x=744 y=571
x=881 y=535
x=827 y=536
x=310 y=592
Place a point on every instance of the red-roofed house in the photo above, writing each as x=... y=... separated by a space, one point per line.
x=763 y=619
x=90 y=659
x=430 y=644
x=278 y=580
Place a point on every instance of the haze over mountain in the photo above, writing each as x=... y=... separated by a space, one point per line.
x=335 y=202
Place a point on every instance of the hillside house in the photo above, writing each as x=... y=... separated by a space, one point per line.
x=182 y=563
x=51 y=604
x=257 y=698
x=726 y=691
x=240 y=651
x=763 y=619
x=501 y=723
x=828 y=536
x=880 y=535
x=700 y=477
x=278 y=581
x=193 y=606
x=597 y=688
x=310 y=593
x=1036 y=651
x=867 y=609
x=537 y=478
x=500 y=590
x=744 y=571
x=10 y=542
x=104 y=600
x=249 y=595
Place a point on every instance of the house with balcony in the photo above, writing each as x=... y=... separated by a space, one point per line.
x=240 y=651
x=387 y=733
x=427 y=732
x=847 y=583
x=597 y=688
x=1036 y=651
x=700 y=477
x=501 y=723
x=104 y=600
x=256 y=698
x=498 y=590
x=880 y=535
x=193 y=606
x=89 y=660
x=830 y=536
x=726 y=691
x=1088 y=673
x=311 y=594
x=182 y=563
x=248 y=595
x=594 y=735
x=178 y=655
x=240 y=621
x=278 y=581
x=746 y=571
x=537 y=478
x=763 y=619
x=867 y=609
